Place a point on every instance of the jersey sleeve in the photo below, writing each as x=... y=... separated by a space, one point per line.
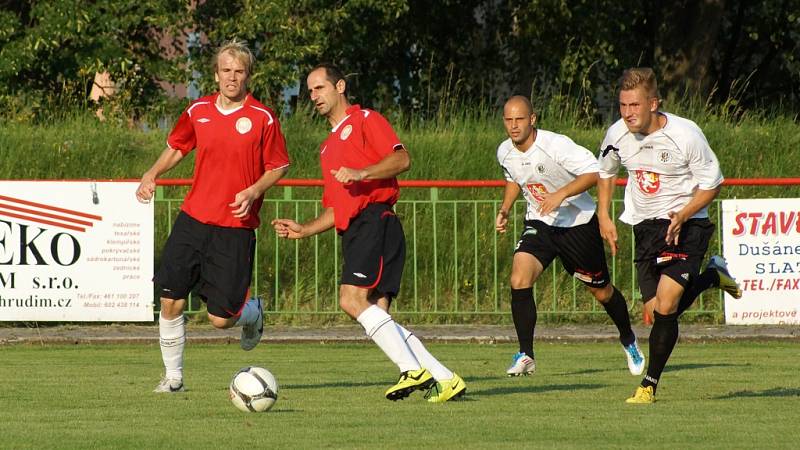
x=703 y=162
x=379 y=135
x=273 y=147
x=576 y=159
x=182 y=136
x=608 y=158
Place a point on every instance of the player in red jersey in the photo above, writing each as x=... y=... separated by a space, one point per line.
x=360 y=160
x=240 y=153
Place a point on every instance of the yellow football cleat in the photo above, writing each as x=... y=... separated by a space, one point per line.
x=410 y=381
x=643 y=395
x=726 y=282
x=445 y=390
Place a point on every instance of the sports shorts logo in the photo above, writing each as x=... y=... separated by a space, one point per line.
x=243 y=125
x=346 y=132
x=648 y=182
x=359 y=275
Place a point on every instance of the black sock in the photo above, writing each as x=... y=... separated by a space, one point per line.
x=617 y=309
x=523 y=311
x=700 y=283
x=663 y=337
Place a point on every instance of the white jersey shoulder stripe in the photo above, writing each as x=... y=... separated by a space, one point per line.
x=265 y=112
x=189 y=111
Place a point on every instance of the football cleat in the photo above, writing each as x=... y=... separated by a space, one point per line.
x=251 y=334
x=643 y=395
x=726 y=282
x=169 y=385
x=522 y=365
x=635 y=358
x=445 y=390
x=410 y=381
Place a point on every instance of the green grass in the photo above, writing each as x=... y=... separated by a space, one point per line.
x=716 y=395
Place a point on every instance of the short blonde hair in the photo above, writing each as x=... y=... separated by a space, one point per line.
x=639 y=77
x=239 y=50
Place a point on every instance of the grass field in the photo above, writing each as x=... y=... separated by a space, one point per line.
x=715 y=395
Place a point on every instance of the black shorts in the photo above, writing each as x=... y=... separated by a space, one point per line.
x=374 y=250
x=216 y=262
x=580 y=249
x=654 y=257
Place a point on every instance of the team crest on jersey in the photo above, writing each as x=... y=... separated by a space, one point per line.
x=648 y=182
x=346 y=132
x=243 y=125
x=537 y=190
x=540 y=169
x=664 y=156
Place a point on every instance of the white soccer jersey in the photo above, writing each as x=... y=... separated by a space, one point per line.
x=552 y=162
x=664 y=167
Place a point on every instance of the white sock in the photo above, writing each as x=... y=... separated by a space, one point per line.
x=249 y=314
x=173 y=340
x=381 y=328
x=428 y=361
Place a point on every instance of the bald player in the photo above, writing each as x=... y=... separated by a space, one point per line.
x=553 y=173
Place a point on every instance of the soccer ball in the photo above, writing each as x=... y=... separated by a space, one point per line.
x=253 y=389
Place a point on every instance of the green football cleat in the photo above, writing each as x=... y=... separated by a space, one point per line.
x=446 y=390
x=643 y=395
x=410 y=381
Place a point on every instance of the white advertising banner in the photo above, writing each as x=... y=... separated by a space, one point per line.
x=75 y=251
x=761 y=242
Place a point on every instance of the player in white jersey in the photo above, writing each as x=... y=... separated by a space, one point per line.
x=553 y=174
x=673 y=177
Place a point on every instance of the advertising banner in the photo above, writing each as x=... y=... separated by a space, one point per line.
x=761 y=242
x=75 y=251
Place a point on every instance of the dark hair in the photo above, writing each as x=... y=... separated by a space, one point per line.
x=332 y=73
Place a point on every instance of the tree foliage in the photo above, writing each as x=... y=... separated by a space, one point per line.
x=422 y=56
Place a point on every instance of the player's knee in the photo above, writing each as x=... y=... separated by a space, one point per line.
x=520 y=281
x=221 y=322
x=602 y=294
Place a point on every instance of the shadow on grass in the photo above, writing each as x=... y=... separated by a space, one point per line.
x=533 y=389
x=676 y=367
x=774 y=392
x=345 y=384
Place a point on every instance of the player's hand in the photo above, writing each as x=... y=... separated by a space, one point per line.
x=609 y=233
x=501 y=222
x=288 y=228
x=550 y=202
x=676 y=220
x=243 y=203
x=144 y=193
x=346 y=175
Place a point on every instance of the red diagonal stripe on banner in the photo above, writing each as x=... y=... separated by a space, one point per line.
x=50 y=207
x=44 y=221
x=44 y=214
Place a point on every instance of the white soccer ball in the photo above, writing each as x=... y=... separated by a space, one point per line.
x=253 y=389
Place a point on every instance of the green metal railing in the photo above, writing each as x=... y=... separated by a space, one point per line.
x=457 y=266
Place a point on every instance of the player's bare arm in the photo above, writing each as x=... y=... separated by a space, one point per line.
x=605 y=191
x=289 y=229
x=169 y=158
x=389 y=167
x=510 y=195
x=580 y=184
x=243 y=201
x=700 y=199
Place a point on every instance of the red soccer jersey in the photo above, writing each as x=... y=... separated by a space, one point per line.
x=233 y=151
x=362 y=138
